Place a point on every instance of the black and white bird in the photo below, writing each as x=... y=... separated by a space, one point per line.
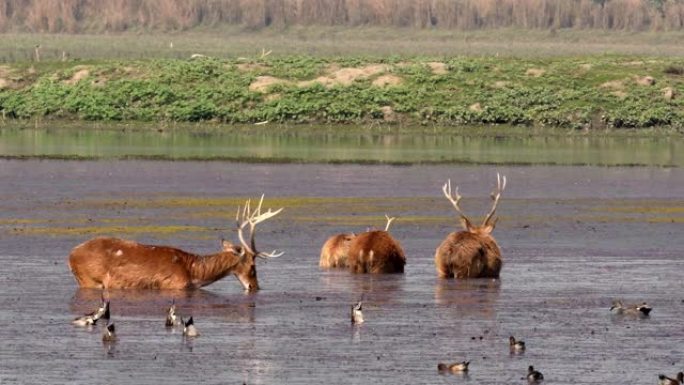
x=93 y=317
x=665 y=380
x=109 y=334
x=457 y=367
x=534 y=376
x=171 y=317
x=357 y=313
x=516 y=346
x=189 y=329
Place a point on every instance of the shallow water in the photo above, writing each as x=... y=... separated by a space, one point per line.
x=573 y=239
x=346 y=145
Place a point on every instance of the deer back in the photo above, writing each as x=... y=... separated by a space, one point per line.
x=376 y=252
x=466 y=254
x=335 y=250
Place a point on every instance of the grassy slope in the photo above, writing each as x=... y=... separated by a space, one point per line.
x=572 y=92
x=141 y=78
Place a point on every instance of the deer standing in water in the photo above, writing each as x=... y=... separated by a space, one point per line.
x=335 y=250
x=473 y=252
x=376 y=251
x=112 y=263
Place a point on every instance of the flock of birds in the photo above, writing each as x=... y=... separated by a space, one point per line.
x=516 y=346
x=109 y=333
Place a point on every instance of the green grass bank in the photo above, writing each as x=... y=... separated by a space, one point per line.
x=591 y=92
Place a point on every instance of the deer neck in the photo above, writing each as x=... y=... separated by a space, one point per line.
x=210 y=268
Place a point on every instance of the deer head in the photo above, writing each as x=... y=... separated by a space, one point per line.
x=489 y=222
x=246 y=217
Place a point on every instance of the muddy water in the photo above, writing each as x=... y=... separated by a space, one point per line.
x=573 y=239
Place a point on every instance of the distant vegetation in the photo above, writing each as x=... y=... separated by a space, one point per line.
x=584 y=92
x=78 y=16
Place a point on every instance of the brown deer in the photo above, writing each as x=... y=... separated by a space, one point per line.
x=376 y=251
x=473 y=252
x=112 y=263
x=335 y=250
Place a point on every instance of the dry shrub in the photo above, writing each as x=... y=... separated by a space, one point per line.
x=669 y=93
x=438 y=68
x=613 y=85
x=121 y=15
x=645 y=80
x=535 y=72
x=346 y=76
x=387 y=81
x=674 y=70
x=263 y=83
x=80 y=74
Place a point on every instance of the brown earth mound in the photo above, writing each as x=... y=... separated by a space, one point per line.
x=263 y=83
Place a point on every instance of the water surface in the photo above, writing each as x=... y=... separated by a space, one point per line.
x=573 y=239
x=346 y=144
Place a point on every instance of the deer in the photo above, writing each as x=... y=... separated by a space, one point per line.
x=113 y=263
x=472 y=252
x=335 y=250
x=376 y=251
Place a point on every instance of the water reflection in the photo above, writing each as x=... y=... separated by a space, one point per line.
x=344 y=145
x=375 y=288
x=235 y=308
x=476 y=298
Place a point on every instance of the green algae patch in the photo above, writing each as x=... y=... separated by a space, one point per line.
x=108 y=230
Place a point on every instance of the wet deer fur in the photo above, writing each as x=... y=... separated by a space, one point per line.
x=112 y=263
x=473 y=252
x=335 y=250
x=375 y=252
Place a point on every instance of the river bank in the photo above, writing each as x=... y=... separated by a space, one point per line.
x=589 y=93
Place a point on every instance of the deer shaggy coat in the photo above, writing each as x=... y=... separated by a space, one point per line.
x=335 y=251
x=472 y=253
x=375 y=252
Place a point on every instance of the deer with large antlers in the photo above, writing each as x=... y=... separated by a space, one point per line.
x=473 y=252
x=112 y=263
x=376 y=251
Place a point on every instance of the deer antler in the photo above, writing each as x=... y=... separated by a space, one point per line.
x=252 y=218
x=389 y=221
x=453 y=199
x=495 y=195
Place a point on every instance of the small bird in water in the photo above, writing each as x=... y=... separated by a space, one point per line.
x=457 y=367
x=642 y=310
x=109 y=334
x=91 y=318
x=665 y=380
x=516 y=346
x=357 y=314
x=171 y=317
x=533 y=376
x=189 y=329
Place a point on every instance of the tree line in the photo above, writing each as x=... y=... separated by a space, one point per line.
x=77 y=16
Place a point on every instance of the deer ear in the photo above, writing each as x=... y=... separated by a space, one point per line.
x=465 y=222
x=489 y=226
x=227 y=245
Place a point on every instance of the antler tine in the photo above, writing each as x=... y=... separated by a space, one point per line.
x=272 y=254
x=389 y=221
x=252 y=218
x=241 y=225
x=453 y=199
x=495 y=195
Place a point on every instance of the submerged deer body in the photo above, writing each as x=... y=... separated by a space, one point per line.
x=473 y=252
x=112 y=263
x=335 y=250
x=376 y=251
